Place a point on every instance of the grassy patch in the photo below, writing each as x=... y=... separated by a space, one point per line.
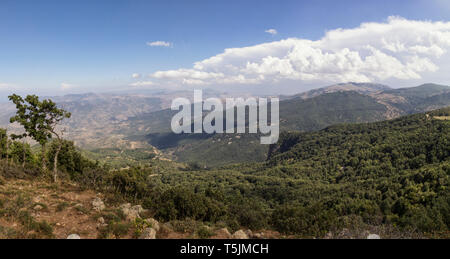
x=62 y=206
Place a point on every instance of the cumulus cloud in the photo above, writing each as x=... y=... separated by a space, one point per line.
x=136 y=75
x=272 y=31
x=160 y=44
x=396 y=49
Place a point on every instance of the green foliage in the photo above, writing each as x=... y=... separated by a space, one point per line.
x=70 y=158
x=38 y=118
x=204 y=232
x=21 y=152
x=3 y=140
x=115 y=229
x=179 y=204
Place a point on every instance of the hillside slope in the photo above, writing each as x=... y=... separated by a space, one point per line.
x=385 y=173
x=308 y=112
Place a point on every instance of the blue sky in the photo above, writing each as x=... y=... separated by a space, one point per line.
x=98 y=45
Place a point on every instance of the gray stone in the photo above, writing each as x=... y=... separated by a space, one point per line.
x=98 y=205
x=154 y=223
x=223 y=232
x=373 y=236
x=148 y=233
x=131 y=212
x=73 y=236
x=240 y=234
x=101 y=220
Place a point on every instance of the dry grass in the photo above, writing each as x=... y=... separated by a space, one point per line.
x=442 y=118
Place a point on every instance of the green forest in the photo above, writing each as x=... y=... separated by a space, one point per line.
x=392 y=173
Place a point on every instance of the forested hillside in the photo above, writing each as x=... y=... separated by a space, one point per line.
x=390 y=177
x=393 y=172
x=311 y=111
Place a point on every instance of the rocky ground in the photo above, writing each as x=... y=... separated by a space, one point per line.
x=30 y=209
x=38 y=209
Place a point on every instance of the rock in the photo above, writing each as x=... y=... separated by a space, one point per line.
x=138 y=209
x=125 y=206
x=73 y=236
x=373 y=236
x=130 y=212
x=240 y=234
x=154 y=223
x=223 y=233
x=249 y=233
x=101 y=220
x=148 y=233
x=98 y=205
x=38 y=207
x=329 y=235
x=345 y=234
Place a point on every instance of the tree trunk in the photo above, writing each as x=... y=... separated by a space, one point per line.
x=24 y=155
x=55 y=162
x=7 y=148
x=44 y=160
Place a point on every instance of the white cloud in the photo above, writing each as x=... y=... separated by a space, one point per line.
x=66 y=86
x=160 y=44
x=142 y=83
x=398 y=49
x=136 y=75
x=272 y=31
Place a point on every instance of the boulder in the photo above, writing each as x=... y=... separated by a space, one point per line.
x=98 y=205
x=223 y=233
x=373 y=236
x=73 y=236
x=148 y=233
x=154 y=223
x=101 y=220
x=131 y=212
x=240 y=234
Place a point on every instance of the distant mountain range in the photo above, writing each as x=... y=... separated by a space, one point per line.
x=310 y=111
x=142 y=121
x=362 y=88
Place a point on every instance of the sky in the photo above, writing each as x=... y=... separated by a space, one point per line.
x=56 y=47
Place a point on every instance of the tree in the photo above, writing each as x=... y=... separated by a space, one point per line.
x=21 y=152
x=4 y=144
x=40 y=120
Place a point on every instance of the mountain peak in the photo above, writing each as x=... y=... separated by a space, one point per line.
x=362 y=88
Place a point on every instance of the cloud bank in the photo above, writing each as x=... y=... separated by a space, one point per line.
x=396 y=49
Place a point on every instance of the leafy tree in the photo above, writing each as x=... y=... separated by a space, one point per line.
x=3 y=143
x=40 y=120
x=21 y=152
